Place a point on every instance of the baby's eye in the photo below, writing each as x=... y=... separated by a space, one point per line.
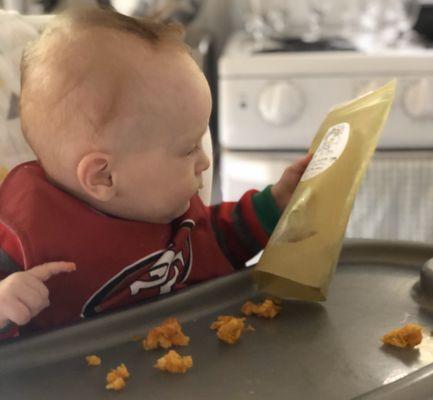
x=194 y=149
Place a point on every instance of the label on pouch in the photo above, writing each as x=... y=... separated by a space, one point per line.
x=329 y=150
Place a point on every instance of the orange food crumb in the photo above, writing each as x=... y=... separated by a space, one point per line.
x=93 y=360
x=168 y=334
x=122 y=371
x=408 y=336
x=116 y=378
x=117 y=384
x=267 y=309
x=229 y=329
x=112 y=376
x=173 y=362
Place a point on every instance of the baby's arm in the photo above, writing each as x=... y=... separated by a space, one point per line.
x=242 y=229
x=23 y=295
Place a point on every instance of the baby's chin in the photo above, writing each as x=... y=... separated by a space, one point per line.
x=177 y=214
x=174 y=214
x=184 y=209
x=163 y=218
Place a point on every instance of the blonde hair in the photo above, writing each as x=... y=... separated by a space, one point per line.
x=59 y=36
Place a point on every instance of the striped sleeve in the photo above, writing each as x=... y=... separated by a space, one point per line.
x=11 y=261
x=243 y=228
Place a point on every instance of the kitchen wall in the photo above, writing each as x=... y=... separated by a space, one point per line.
x=221 y=17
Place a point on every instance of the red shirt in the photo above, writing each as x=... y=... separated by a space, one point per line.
x=119 y=261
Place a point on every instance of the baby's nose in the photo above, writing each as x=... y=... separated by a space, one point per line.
x=204 y=162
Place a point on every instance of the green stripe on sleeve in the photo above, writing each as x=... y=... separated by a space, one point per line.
x=266 y=209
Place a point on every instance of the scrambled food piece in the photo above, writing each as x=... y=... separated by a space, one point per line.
x=116 y=378
x=408 y=336
x=229 y=329
x=166 y=335
x=267 y=309
x=93 y=360
x=250 y=328
x=122 y=371
x=173 y=362
x=118 y=383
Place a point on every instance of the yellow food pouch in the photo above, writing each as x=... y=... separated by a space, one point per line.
x=301 y=255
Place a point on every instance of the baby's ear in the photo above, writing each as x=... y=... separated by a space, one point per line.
x=94 y=172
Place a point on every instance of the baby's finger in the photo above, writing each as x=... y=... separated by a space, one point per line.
x=47 y=270
x=17 y=313
x=299 y=165
x=37 y=285
x=32 y=300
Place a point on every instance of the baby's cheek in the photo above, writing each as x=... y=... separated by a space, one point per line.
x=178 y=194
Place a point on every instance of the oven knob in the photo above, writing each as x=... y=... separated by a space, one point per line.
x=418 y=99
x=280 y=103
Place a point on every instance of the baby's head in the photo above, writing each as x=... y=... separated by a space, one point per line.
x=115 y=110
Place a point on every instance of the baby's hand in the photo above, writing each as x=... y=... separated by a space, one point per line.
x=282 y=191
x=24 y=294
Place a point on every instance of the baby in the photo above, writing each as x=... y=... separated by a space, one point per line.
x=115 y=110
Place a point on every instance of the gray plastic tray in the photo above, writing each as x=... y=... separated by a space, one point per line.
x=323 y=351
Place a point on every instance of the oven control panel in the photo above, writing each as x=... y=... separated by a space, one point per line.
x=285 y=113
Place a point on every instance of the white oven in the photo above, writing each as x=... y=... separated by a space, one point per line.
x=271 y=104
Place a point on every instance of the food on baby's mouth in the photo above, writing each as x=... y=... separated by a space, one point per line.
x=93 y=360
x=168 y=334
x=409 y=335
x=267 y=309
x=116 y=378
x=173 y=362
x=229 y=329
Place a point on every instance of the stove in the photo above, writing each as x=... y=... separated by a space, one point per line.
x=276 y=99
x=273 y=97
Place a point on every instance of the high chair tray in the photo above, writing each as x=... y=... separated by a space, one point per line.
x=330 y=350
